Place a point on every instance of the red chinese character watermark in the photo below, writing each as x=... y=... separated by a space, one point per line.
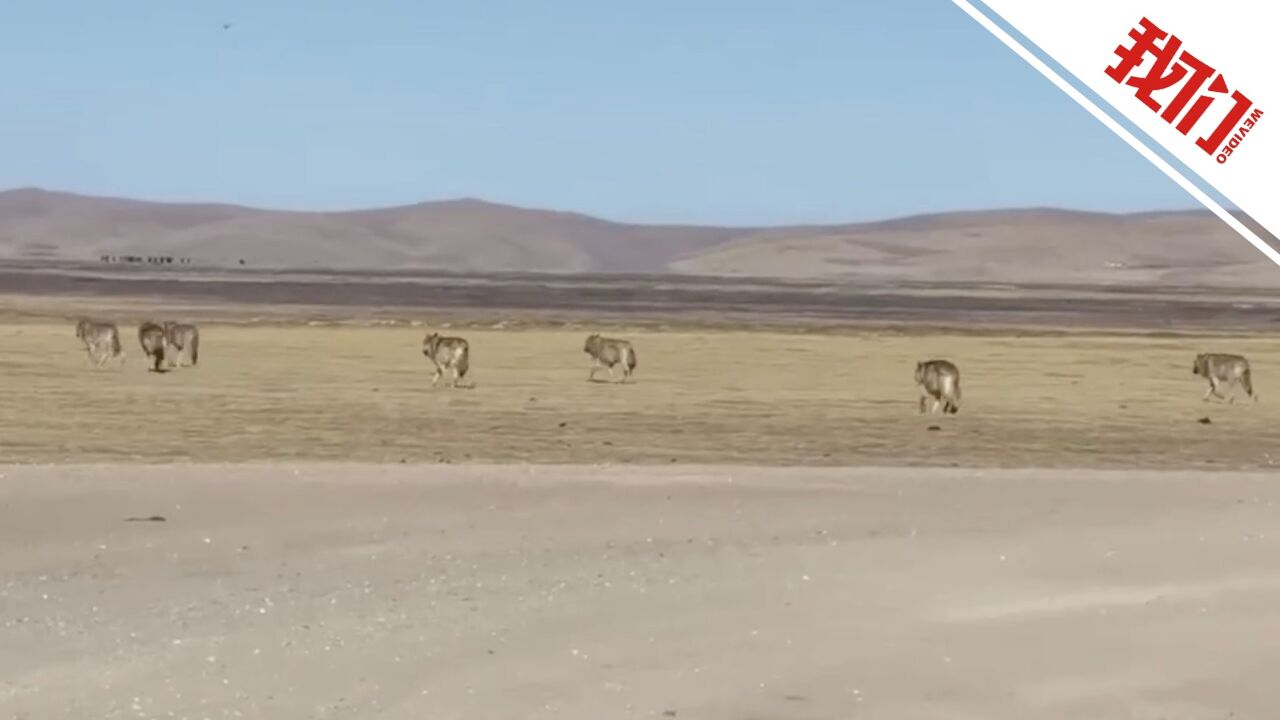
x=1171 y=65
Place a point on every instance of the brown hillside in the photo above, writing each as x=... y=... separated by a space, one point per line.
x=1014 y=246
x=1037 y=245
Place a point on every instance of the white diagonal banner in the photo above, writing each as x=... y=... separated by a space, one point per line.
x=1197 y=78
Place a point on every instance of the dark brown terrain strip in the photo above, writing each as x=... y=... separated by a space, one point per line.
x=638 y=298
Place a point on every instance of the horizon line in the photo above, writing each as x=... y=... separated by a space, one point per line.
x=1190 y=209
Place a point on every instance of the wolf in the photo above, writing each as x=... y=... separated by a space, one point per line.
x=155 y=343
x=184 y=340
x=940 y=380
x=1224 y=370
x=607 y=352
x=101 y=340
x=447 y=353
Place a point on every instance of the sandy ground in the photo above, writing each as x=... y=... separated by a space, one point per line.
x=342 y=591
x=363 y=393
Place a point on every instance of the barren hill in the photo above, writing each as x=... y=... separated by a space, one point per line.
x=1012 y=246
x=1035 y=245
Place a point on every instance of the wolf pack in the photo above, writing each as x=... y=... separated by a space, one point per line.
x=165 y=345
x=168 y=345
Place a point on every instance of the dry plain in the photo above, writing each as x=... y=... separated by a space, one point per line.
x=335 y=539
x=363 y=394
x=553 y=548
x=297 y=590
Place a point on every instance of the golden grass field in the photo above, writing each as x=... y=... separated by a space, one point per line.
x=363 y=393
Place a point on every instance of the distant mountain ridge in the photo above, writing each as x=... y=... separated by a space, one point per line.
x=1020 y=245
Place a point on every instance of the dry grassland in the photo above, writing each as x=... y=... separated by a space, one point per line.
x=347 y=393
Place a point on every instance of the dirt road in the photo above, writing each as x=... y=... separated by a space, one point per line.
x=349 y=591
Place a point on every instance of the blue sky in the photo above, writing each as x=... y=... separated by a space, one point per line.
x=705 y=111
